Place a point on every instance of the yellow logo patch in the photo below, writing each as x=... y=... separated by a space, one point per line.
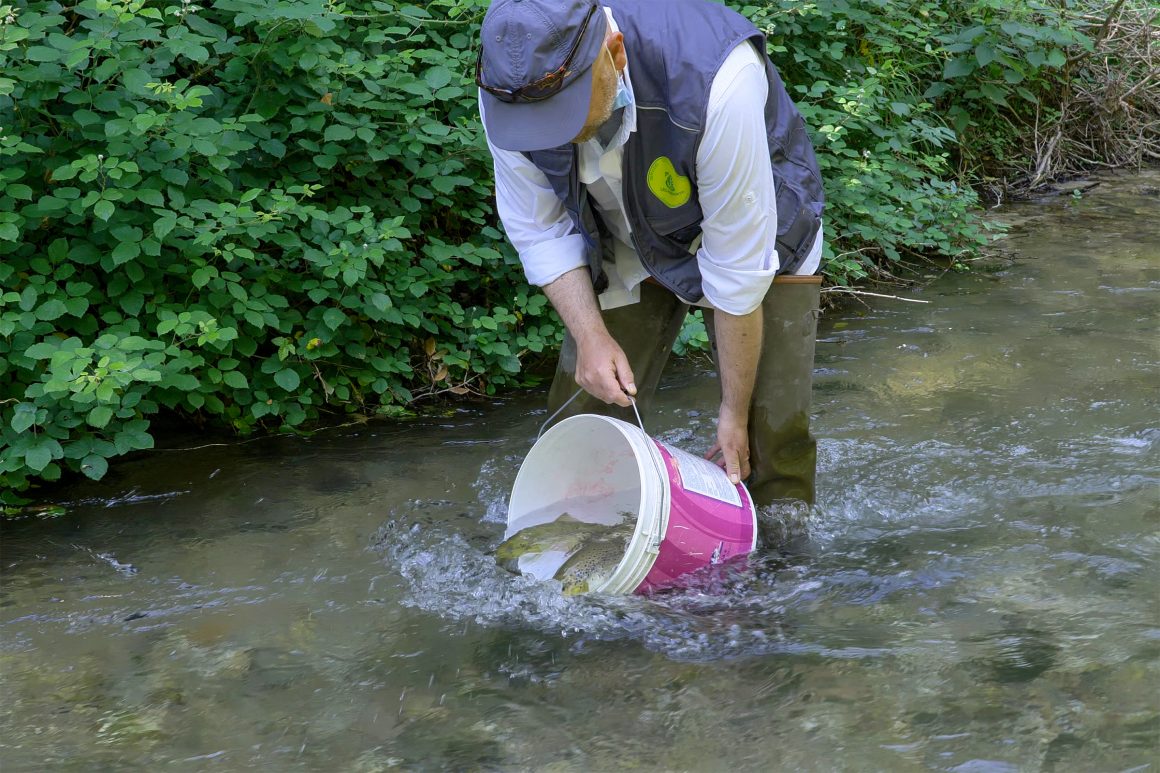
x=671 y=188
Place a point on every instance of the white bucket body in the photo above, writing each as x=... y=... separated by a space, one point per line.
x=597 y=467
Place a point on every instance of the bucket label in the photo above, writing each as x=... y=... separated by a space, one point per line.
x=703 y=477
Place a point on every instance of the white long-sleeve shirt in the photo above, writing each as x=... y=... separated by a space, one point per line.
x=736 y=257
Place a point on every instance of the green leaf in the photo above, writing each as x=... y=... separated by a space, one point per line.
x=42 y=54
x=985 y=54
x=51 y=309
x=136 y=81
x=336 y=132
x=236 y=380
x=174 y=175
x=99 y=417
x=125 y=251
x=77 y=306
x=287 y=379
x=205 y=147
x=381 y=301
x=75 y=57
x=131 y=302
x=24 y=417
x=38 y=457
x=41 y=351
x=1027 y=95
x=164 y=224
x=333 y=318
x=273 y=147
x=437 y=77
x=151 y=197
x=994 y=93
x=104 y=209
x=958 y=67
x=66 y=172
x=202 y=276
x=95 y=466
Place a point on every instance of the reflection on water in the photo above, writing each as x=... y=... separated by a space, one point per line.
x=976 y=589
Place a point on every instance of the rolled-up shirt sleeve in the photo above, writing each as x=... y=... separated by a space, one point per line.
x=737 y=256
x=534 y=218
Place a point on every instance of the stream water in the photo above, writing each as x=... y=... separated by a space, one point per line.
x=976 y=590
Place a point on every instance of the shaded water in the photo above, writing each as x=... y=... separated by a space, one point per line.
x=976 y=590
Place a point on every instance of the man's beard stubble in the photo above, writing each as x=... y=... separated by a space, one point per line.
x=607 y=93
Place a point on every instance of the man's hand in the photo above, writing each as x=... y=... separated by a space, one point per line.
x=732 y=444
x=738 y=351
x=602 y=369
x=601 y=366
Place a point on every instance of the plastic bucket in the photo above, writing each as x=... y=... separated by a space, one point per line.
x=688 y=514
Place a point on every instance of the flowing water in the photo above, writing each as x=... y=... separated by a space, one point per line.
x=976 y=589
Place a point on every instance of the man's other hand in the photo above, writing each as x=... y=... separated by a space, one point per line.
x=731 y=451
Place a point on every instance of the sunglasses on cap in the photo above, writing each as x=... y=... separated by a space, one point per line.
x=542 y=88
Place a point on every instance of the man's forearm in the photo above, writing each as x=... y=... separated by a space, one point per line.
x=602 y=368
x=574 y=300
x=738 y=353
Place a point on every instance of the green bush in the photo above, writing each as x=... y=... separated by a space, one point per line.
x=890 y=90
x=261 y=212
x=254 y=211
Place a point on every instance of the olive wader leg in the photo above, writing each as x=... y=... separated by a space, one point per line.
x=645 y=331
x=782 y=453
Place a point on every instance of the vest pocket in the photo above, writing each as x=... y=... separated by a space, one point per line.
x=797 y=227
x=680 y=225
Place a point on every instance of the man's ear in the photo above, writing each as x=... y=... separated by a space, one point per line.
x=615 y=44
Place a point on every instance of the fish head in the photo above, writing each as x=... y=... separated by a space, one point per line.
x=565 y=535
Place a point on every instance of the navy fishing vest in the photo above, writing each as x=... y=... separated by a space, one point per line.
x=677 y=46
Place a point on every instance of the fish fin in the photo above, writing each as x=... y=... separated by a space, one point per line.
x=511 y=564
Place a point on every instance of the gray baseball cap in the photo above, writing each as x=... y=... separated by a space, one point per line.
x=535 y=70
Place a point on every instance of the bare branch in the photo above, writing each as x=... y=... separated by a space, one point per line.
x=851 y=291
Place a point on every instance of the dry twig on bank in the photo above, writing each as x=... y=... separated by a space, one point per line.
x=1109 y=111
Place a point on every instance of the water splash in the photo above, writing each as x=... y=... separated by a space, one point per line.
x=736 y=610
x=493 y=484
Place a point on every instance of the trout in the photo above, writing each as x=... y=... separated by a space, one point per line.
x=592 y=551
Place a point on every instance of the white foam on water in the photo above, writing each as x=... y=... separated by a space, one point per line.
x=733 y=610
x=493 y=484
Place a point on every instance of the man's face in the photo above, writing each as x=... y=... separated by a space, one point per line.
x=604 y=82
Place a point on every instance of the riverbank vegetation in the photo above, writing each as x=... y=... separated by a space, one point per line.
x=265 y=214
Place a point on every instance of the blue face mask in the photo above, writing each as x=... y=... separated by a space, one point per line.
x=623 y=98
